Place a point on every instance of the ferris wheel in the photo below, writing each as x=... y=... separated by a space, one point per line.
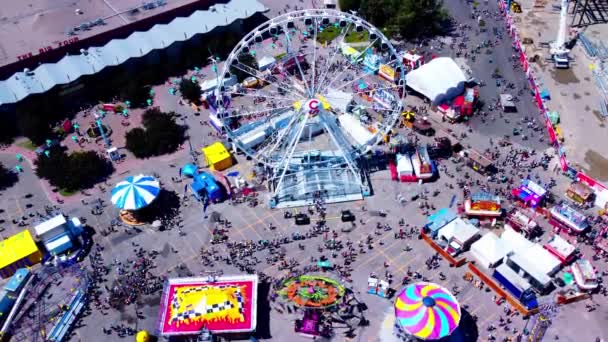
x=310 y=88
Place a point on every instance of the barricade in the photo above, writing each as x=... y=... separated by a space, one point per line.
x=450 y=259
x=500 y=292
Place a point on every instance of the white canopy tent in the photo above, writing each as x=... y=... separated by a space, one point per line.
x=265 y=62
x=355 y=129
x=404 y=165
x=439 y=80
x=339 y=100
x=515 y=241
x=489 y=250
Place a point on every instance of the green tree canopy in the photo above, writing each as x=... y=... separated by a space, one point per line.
x=191 y=91
x=161 y=135
x=7 y=177
x=242 y=72
x=74 y=171
x=349 y=5
x=134 y=92
x=34 y=125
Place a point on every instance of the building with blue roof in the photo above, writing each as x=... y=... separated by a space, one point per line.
x=439 y=220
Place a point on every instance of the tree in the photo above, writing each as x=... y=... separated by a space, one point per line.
x=8 y=178
x=137 y=142
x=7 y=130
x=191 y=91
x=242 y=70
x=349 y=5
x=34 y=125
x=418 y=18
x=376 y=11
x=78 y=170
x=161 y=135
x=135 y=93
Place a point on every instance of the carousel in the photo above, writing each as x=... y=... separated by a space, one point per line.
x=132 y=195
x=313 y=294
x=426 y=311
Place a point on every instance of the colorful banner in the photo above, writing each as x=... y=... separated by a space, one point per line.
x=551 y=131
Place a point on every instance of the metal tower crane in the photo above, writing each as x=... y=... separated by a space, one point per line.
x=559 y=52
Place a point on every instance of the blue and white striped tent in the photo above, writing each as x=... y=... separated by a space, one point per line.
x=135 y=192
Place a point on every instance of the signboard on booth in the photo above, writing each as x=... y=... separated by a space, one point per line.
x=387 y=72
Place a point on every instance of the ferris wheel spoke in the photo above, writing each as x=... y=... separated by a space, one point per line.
x=298 y=63
x=257 y=96
x=358 y=78
x=279 y=139
x=350 y=65
x=314 y=58
x=266 y=81
x=330 y=61
x=245 y=114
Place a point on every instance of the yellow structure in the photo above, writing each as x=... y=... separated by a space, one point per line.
x=142 y=336
x=218 y=158
x=18 y=251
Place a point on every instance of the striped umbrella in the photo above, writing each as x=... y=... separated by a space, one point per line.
x=135 y=192
x=427 y=311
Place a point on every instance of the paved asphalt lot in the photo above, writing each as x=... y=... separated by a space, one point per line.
x=251 y=224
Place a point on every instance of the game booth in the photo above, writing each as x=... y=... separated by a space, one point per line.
x=483 y=204
x=561 y=249
x=225 y=304
x=312 y=294
x=388 y=73
x=134 y=194
x=568 y=219
x=580 y=193
x=412 y=61
x=529 y=193
x=523 y=221
x=426 y=311
x=585 y=276
x=217 y=156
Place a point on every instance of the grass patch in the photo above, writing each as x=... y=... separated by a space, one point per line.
x=27 y=144
x=328 y=34
x=67 y=193
x=357 y=37
x=279 y=56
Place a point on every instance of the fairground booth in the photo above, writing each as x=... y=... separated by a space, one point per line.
x=568 y=219
x=426 y=312
x=217 y=156
x=523 y=221
x=483 y=204
x=580 y=193
x=221 y=305
x=17 y=251
x=529 y=193
x=134 y=194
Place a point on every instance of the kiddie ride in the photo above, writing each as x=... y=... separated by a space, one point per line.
x=311 y=325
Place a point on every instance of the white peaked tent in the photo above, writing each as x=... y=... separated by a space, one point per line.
x=265 y=63
x=439 y=80
x=489 y=250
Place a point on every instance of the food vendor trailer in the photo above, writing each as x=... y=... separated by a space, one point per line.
x=584 y=275
x=523 y=221
x=458 y=236
x=412 y=61
x=530 y=193
x=405 y=169
x=568 y=219
x=478 y=162
x=579 y=193
x=507 y=104
x=423 y=165
x=388 y=73
x=563 y=250
x=483 y=204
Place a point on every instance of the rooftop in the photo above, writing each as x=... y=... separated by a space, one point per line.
x=117 y=51
x=16 y=248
